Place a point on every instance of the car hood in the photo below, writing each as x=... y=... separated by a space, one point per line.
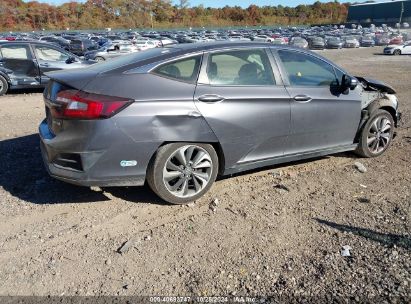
x=376 y=84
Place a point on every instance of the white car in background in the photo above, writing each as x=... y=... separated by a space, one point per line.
x=167 y=41
x=143 y=45
x=263 y=38
x=401 y=49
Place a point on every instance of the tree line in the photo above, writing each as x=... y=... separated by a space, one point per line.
x=16 y=15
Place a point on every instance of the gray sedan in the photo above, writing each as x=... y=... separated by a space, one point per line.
x=179 y=116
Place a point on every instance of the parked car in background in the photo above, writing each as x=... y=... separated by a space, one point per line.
x=81 y=46
x=351 y=42
x=316 y=43
x=367 y=41
x=334 y=43
x=396 y=40
x=111 y=51
x=179 y=118
x=404 y=49
x=298 y=42
x=263 y=38
x=280 y=40
x=63 y=43
x=382 y=40
x=143 y=45
x=23 y=64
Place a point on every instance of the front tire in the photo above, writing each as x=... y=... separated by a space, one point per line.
x=397 y=52
x=377 y=134
x=4 y=86
x=180 y=173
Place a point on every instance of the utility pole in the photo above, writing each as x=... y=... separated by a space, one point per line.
x=402 y=11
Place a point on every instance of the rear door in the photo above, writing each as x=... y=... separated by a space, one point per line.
x=322 y=116
x=242 y=98
x=18 y=58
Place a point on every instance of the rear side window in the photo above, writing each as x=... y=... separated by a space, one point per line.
x=16 y=52
x=306 y=70
x=241 y=67
x=183 y=70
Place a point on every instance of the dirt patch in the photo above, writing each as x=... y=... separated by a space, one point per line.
x=276 y=231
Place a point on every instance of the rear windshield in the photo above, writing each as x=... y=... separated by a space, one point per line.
x=125 y=60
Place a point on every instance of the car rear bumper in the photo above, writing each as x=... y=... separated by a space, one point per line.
x=91 y=167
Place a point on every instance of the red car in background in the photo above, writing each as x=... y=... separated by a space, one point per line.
x=396 y=40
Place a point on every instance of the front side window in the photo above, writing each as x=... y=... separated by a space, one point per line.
x=50 y=54
x=16 y=52
x=306 y=70
x=240 y=67
x=183 y=70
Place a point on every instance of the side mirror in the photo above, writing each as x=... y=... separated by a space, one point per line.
x=70 y=60
x=349 y=82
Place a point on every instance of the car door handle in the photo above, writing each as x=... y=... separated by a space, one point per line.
x=302 y=98
x=210 y=98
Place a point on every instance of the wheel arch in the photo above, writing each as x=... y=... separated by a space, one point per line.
x=383 y=104
x=379 y=104
x=7 y=77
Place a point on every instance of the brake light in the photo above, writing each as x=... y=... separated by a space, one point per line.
x=73 y=104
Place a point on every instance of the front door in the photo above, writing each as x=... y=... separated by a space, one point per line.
x=50 y=59
x=406 y=49
x=245 y=104
x=322 y=116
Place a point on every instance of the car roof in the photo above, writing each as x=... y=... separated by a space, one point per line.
x=133 y=61
x=29 y=42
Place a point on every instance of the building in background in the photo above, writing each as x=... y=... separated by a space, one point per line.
x=386 y=12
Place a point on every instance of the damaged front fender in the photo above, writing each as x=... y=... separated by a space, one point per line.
x=376 y=95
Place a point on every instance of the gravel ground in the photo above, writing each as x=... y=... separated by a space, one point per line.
x=272 y=232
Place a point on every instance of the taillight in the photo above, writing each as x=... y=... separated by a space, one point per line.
x=73 y=104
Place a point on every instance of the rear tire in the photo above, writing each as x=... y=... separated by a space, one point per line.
x=180 y=173
x=4 y=86
x=377 y=134
x=397 y=52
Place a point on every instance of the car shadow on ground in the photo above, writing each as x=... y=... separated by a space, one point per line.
x=25 y=91
x=387 y=239
x=23 y=175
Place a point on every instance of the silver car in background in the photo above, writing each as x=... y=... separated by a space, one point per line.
x=177 y=117
x=114 y=50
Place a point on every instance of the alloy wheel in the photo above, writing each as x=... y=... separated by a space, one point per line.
x=379 y=134
x=187 y=171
